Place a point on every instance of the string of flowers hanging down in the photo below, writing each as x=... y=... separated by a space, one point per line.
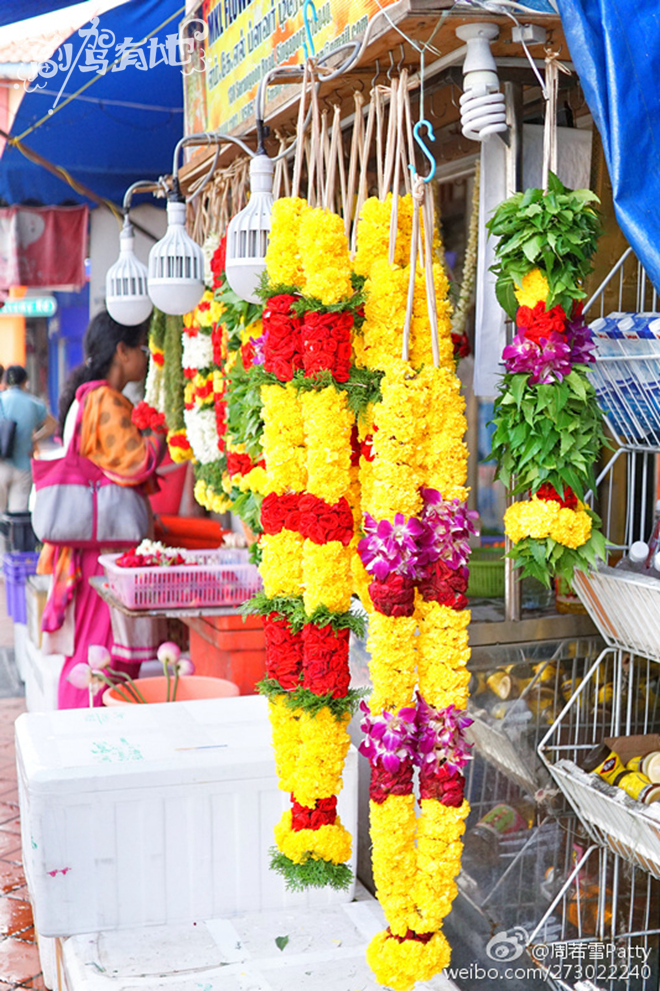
x=415 y=551
x=231 y=478
x=163 y=406
x=548 y=427
x=308 y=531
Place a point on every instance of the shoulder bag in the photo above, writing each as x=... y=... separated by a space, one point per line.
x=7 y=434
x=78 y=506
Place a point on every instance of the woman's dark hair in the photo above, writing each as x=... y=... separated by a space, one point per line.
x=15 y=375
x=101 y=340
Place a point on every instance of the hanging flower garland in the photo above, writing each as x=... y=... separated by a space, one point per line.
x=150 y=413
x=549 y=431
x=228 y=480
x=468 y=278
x=414 y=550
x=308 y=531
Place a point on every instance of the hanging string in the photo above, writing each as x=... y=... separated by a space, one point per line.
x=552 y=69
x=300 y=129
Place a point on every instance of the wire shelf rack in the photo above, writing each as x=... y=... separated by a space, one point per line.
x=625 y=607
x=605 y=916
x=618 y=697
x=507 y=734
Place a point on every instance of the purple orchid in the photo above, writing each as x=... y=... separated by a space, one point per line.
x=388 y=547
x=579 y=338
x=547 y=362
x=390 y=738
x=259 y=345
x=440 y=736
x=449 y=525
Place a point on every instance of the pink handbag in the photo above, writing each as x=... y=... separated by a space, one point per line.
x=77 y=505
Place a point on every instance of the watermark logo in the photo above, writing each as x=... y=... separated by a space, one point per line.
x=509 y=945
x=101 y=52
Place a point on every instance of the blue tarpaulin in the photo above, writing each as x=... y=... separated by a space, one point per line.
x=18 y=10
x=123 y=127
x=615 y=47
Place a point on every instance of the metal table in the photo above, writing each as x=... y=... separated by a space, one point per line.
x=101 y=587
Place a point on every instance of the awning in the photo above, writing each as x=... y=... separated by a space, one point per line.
x=121 y=128
x=616 y=52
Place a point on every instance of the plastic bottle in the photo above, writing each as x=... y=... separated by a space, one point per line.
x=636 y=558
x=654 y=539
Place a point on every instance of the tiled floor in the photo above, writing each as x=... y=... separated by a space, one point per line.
x=19 y=958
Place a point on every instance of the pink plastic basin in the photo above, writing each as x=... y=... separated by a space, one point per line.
x=189 y=687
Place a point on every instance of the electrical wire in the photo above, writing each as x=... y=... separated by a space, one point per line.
x=101 y=101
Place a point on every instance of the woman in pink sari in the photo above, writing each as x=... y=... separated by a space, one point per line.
x=75 y=617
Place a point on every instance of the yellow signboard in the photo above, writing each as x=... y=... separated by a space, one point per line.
x=246 y=38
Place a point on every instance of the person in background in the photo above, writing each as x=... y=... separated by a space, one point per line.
x=75 y=617
x=33 y=423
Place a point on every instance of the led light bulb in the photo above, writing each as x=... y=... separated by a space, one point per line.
x=176 y=265
x=483 y=110
x=248 y=233
x=126 y=296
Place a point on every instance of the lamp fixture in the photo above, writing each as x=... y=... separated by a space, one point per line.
x=483 y=110
x=176 y=263
x=248 y=232
x=126 y=296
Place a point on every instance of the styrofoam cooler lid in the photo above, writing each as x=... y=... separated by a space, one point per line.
x=106 y=748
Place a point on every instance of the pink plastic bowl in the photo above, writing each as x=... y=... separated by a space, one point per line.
x=190 y=687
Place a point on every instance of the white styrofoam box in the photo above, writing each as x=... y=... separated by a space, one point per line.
x=154 y=814
x=325 y=952
x=42 y=677
x=21 y=638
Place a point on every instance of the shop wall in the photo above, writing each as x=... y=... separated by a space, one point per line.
x=104 y=244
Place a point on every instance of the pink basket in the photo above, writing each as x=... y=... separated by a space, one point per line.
x=218 y=578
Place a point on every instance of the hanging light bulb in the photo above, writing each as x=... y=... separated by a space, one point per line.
x=248 y=232
x=483 y=110
x=126 y=295
x=176 y=263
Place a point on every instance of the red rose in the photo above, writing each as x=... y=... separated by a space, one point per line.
x=549 y=493
x=218 y=343
x=539 y=322
x=393 y=597
x=444 y=585
x=279 y=304
x=284 y=651
x=321 y=523
x=219 y=261
x=280 y=512
x=323 y=813
x=247 y=354
x=384 y=783
x=239 y=464
x=461 y=345
x=325 y=660
x=443 y=785
x=326 y=339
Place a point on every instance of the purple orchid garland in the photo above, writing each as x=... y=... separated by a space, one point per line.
x=422 y=736
x=552 y=359
x=409 y=547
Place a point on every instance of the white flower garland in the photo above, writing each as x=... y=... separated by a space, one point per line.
x=202 y=434
x=470 y=263
x=197 y=351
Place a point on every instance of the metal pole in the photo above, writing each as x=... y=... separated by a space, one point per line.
x=513 y=95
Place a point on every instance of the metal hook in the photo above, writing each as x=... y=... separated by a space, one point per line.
x=361 y=82
x=425 y=151
x=389 y=71
x=403 y=58
x=373 y=81
x=308 y=45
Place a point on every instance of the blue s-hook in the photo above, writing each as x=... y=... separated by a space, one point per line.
x=308 y=45
x=420 y=141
